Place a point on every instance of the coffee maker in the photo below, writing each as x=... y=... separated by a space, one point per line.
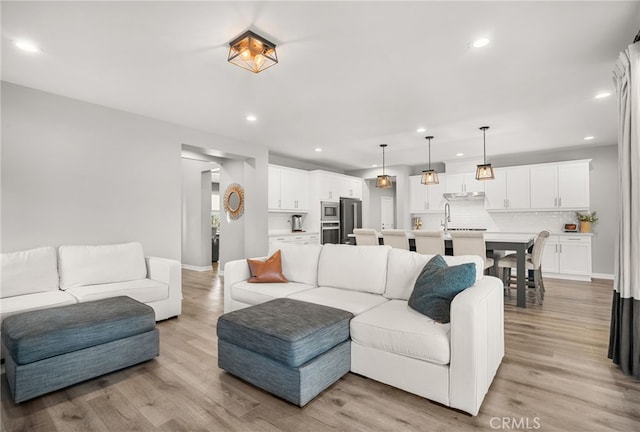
x=296 y=223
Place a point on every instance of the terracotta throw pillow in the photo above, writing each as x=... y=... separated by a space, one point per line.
x=268 y=271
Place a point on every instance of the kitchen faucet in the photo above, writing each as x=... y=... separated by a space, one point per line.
x=447 y=217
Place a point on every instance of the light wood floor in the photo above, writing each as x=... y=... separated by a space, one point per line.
x=555 y=377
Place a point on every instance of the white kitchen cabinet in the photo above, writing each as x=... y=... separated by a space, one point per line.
x=425 y=198
x=567 y=256
x=297 y=238
x=334 y=186
x=563 y=186
x=288 y=189
x=509 y=190
x=457 y=183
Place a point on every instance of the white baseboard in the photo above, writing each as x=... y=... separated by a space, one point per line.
x=602 y=276
x=196 y=268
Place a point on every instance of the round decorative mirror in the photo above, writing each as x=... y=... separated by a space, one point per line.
x=234 y=201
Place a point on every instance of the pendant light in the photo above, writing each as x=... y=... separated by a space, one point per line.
x=485 y=171
x=429 y=176
x=384 y=181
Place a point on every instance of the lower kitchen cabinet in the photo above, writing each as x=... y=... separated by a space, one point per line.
x=567 y=257
x=301 y=238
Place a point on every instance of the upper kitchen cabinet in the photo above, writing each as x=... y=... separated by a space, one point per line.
x=332 y=186
x=562 y=186
x=425 y=198
x=288 y=189
x=458 y=183
x=509 y=190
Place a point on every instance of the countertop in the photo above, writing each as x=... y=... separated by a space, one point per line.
x=289 y=233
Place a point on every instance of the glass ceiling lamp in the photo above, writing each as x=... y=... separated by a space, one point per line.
x=429 y=176
x=252 y=52
x=384 y=181
x=485 y=171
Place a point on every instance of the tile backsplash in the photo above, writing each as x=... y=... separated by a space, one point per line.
x=472 y=214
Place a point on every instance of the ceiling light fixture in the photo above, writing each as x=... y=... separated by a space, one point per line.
x=602 y=95
x=318 y=149
x=26 y=45
x=252 y=52
x=589 y=138
x=421 y=129
x=429 y=176
x=251 y=118
x=459 y=154
x=479 y=43
x=484 y=171
x=384 y=181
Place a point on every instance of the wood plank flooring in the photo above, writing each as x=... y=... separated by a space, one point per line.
x=555 y=377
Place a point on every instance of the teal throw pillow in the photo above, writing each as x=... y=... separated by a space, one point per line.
x=437 y=285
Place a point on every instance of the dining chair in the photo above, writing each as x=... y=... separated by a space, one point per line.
x=396 y=238
x=471 y=243
x=366 y=237
x=429 y=242
x=533 y=262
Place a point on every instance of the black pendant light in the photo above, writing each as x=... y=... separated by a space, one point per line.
x=384 y=181
x=485 y=171
x=429 y=176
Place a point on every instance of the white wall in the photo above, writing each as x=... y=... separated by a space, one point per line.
x=79 y=173
x=374 y=210
x=196 y=213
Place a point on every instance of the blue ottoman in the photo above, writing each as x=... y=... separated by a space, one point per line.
x=289 y=348
x=48 y=349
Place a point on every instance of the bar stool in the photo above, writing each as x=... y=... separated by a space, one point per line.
x=366 y=237
x=396 y=238
x=429 y=242
x=471 y=243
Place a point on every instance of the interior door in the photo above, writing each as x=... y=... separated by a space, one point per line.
x=386 y=213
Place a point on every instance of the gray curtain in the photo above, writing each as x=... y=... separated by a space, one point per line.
x=624 y=337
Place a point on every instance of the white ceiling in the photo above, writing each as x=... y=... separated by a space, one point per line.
x=351 y=75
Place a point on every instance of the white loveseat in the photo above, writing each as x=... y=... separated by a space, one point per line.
x=43 y=277
x=453 y=364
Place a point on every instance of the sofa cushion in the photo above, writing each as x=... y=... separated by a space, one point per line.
x=13 y=305
x=437 y=285
x=29 y=271
x=394 y=327
x=92 y=265
x=357 y=268
x=299 y=262
x=252 y=294
x=353 y=301
x=404 y=268
x=143 y=290
x=266 y=271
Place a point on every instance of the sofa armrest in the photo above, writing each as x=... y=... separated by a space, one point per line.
x=234 y=272
x=477 y=342
x=168 y=271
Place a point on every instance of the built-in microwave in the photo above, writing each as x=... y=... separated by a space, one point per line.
x=329 y=211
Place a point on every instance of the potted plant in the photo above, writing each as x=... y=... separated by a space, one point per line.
x=586 y=219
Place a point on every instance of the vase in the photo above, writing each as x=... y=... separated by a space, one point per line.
x=585 y=227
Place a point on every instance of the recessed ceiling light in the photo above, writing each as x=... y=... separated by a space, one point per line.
x=318 y=149
x=602 y=95
x=421 y=129
x=251 y=118
x=479 y=43
x=374 y=166
x=459 y=154
x=26 y=45
x=588 y=138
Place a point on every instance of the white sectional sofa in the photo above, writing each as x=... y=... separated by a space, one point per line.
x=43 y=277
x=453 y=364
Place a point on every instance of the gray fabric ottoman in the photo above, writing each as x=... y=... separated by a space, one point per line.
x=289 y=348
x=48 y=349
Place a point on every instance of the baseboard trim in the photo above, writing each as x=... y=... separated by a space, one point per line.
x=602 y=276
x=197 y=268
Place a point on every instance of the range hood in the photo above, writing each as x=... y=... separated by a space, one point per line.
x=461 y=196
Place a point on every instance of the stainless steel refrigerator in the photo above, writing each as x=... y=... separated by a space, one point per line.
x=350 y=218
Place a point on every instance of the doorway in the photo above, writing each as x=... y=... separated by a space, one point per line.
x=386 y=212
